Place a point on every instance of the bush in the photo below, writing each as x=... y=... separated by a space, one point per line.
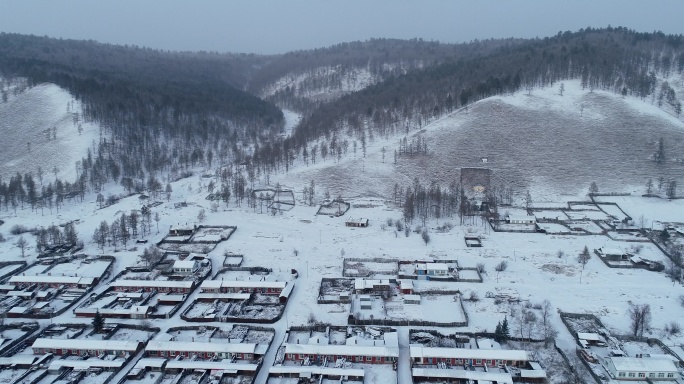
x=426 y=237
x=501 y=266
x=673 y=328
x=474 y=296
x=481 y=268
x=2 y=238
x=18 y=229
x=400 y=226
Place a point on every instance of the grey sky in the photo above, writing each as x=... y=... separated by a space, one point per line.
x=277 y=26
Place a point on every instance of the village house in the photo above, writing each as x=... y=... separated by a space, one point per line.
x=405 y=286
x=613 y=254
x=153 y=285
x=356 y=223
x=48 y=281
x=432 y=269
x=590 y=339
x=186 y=267
x=521 y=219
x=632 y=368
x=469 y=357
x=179 y=230
x=80 y=347
x=372 y=286
x=205 y=350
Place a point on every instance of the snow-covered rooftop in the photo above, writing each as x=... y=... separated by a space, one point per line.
x=46 y=279
x=197 y=346
x=418 y=351
x=80 y=344
x=343 y=350
x=152 y=283
x=211 y=365
x=633 y=364
x=480 y=376
x=316 y=370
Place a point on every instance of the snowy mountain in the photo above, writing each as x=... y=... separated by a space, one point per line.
x=539 y=140
x=42 y=127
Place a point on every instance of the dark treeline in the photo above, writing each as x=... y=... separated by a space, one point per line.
x=614 y=59
x=328 y=68
x=159 y=111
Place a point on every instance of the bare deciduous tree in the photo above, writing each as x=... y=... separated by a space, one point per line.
x=22 y=244
x=640 y=317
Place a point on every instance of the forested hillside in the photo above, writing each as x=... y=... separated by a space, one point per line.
x=164 y=114
x=617 y=59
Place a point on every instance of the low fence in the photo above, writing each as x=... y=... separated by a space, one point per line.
x=13 y=347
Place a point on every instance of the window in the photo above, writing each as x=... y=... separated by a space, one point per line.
x=670 y=375
x=651 y=375
x=632 y=374
x=478 y=362
x=368 y=358
x=641 y=374
x=621 y=374
x=661 y=375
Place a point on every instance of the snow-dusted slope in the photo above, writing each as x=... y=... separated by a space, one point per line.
x=26 y=121
x=551 y=144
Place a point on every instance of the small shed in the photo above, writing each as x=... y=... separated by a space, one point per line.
x=520 y=219
x=411 y=299
x=405 y=286
x=356 y=222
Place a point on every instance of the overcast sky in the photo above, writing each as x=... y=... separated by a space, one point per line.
x=278 y=26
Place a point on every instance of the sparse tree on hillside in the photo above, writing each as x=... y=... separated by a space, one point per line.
x=528 y=200
x=649 y=186
x=201 y=215
x=168 y=191
x=672 y=189
x=561 y=89
x=157 y=218
x=660 y=152
x=593 y=188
